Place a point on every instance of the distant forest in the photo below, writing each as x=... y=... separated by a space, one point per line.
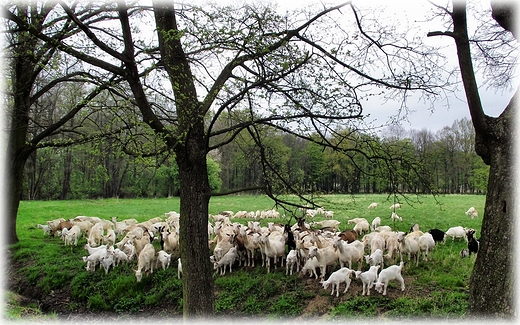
x=414 y=161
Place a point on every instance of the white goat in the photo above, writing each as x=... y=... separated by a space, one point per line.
x=46 y=229
x=410 y=246
x=291 y=261
x=336 y=278
x=368 y=278
x=110 y=237
x=472 y=212
x=362 y=227
x=72 y=236
x=145 y=261
x=356 y=220
x=395 y=217
x=228 y=259
x=349 y=253
x=163 y=258
x=376 y=223
x=426 y=244
x=96 y=255
x=310 y=266
x=334 y=224
x=455 y=232
x=326 y=256
x=274 y=247
x=373 y=205
x=119 y=256
x=376 y=258
x=395 y=206
x=107 y=261
x=393 y=272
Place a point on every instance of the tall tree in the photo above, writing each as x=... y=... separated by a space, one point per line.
x=492 y=285
x=35 y=70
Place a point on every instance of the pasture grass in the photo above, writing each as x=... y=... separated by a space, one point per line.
x=438 y=288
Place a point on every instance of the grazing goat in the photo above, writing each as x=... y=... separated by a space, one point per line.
x=373 y=205
x=362 y=227
x=336 y=278
x=472 y=213
x=179 y=268
x=455 y=232
x=392 y=272
x=464 y=253
x=64 y=224
x=334 y=224
x=46 y=229
x=395 y=206
x=348 y=235
x=437 y=234
x=395 y=217
x=368 y=278
x=145 y=261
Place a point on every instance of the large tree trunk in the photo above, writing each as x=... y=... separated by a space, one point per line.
x=18 y=150
x=492 y=281
x=197 y=291
x=491 y=284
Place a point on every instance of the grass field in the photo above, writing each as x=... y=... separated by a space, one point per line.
x=50 y=272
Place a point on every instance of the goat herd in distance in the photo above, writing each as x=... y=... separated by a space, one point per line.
x=316 y=248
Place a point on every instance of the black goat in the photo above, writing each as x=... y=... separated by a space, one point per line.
x=473 y=243
x=291 y=243
x=438 y=235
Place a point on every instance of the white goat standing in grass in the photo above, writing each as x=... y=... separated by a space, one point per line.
x=368 y=278
x=393 y=272
x=336 y=278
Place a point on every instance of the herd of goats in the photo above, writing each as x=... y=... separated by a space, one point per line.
x=314 y=248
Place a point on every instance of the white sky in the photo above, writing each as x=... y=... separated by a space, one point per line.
x=420 y=116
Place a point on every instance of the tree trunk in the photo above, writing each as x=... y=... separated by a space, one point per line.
x=65 y=188
x=492 y=281
x=197 y=270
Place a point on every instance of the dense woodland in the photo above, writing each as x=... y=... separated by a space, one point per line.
x=443 y=162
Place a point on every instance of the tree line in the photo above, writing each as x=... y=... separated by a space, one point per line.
x=441 y=162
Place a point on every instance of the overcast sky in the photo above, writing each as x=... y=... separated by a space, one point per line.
x=420 y=116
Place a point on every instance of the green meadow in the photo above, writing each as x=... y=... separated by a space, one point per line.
x=47 y=271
